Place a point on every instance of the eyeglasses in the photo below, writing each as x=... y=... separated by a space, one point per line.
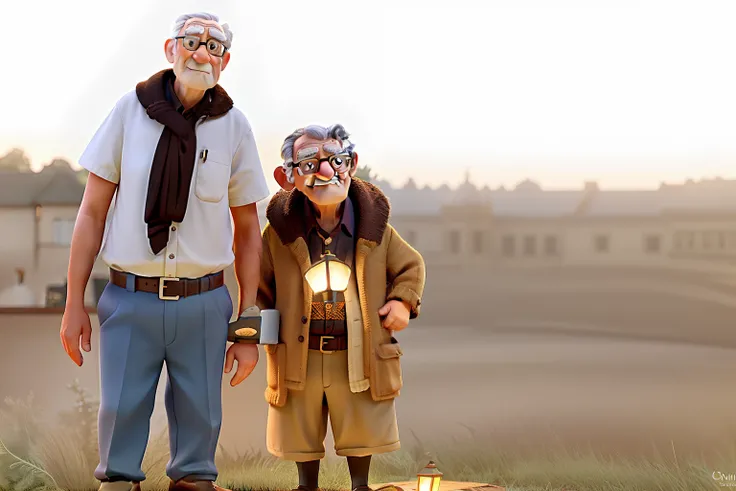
x=192 y=43
x=340 y=162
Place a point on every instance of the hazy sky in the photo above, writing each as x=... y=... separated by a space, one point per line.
x=628 y=93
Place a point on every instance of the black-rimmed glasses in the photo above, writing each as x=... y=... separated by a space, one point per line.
x=213 y=46
x=340 y=163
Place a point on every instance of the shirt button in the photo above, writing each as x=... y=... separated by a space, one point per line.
x=304 y=319
x=171 y=256
x=301 y=339
x=173 y=229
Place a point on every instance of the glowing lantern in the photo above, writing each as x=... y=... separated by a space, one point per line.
x=328 y=276
x=428 y=479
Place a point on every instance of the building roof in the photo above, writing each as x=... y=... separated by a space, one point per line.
x=52 y=186
x=528 y=199
x=522 y=202
x=535 y=203
x=710 y=196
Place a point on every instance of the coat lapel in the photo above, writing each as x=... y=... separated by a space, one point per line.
x=301 y=253
x=363 y=248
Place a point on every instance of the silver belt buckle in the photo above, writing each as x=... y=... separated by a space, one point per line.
x=162 y=286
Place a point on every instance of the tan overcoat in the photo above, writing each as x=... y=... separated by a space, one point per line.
x=386 y=267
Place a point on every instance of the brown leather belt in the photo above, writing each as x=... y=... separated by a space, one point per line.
x=328 y=344
x=169 y=288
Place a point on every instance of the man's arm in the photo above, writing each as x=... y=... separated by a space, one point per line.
x=87 y=236
x=247 y=248
x=406 y=273
x=86 y=241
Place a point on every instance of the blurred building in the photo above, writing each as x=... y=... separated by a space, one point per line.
x=37 y=216
x=691 y=226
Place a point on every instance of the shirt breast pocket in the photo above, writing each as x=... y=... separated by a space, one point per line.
x=213 y=176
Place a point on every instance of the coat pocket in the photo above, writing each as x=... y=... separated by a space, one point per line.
x=388 y=370
x=213 y=178
x=275 y=376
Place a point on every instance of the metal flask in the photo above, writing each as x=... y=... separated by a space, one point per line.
x=256 y=328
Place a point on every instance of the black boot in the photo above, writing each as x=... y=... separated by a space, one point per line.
x=308 y=475
x=359 y=469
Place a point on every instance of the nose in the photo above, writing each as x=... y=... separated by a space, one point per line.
x=325 y=171
x=201 y=55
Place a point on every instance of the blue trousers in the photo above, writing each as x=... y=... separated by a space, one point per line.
x=138 y=333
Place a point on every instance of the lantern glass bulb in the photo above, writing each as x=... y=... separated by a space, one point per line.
x=316 y=276
x=339 y=276
x=328 y=274
x=425 y=483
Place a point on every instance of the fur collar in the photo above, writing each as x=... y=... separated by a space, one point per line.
x=286 y=212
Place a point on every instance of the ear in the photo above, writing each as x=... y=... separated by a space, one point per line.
x=169 y=49
x=355 y=165
x=280 y=176
x=225 y=60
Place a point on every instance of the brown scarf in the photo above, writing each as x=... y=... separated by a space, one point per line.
x=173 y=162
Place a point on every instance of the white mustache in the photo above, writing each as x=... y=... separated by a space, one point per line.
x=314 y=182
x=202 y=67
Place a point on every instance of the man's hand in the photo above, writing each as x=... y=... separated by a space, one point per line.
x=247 y=357
x=75 y=330
x=397 y=315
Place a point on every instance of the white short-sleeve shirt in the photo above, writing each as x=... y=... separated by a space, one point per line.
x=121 y=151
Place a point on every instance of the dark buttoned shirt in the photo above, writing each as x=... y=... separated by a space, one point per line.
x=329 y=319
x=189 y=114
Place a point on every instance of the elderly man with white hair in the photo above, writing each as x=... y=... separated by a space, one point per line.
x=184 y=164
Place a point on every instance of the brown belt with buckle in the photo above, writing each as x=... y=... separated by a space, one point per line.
x=328 y=344
x=169 y=288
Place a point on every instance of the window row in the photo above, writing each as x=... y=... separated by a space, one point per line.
x=704 y=240
x=481 y=243
x=651 y=243
x=529 y=245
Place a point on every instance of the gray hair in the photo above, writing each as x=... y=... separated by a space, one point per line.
x=182 y=19
x=336 y=131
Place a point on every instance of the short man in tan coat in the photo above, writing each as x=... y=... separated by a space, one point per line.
x=339 y=359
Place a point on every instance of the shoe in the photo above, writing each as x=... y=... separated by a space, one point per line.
x=120 y=486
x=185 y=485
x=305 y=488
